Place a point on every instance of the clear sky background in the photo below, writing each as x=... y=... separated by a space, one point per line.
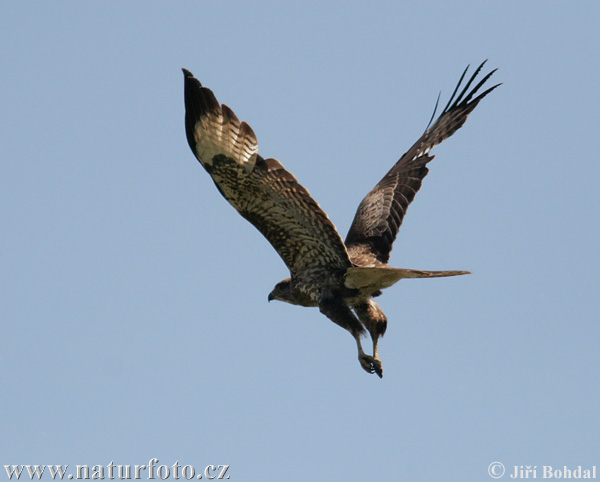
x=133 y=298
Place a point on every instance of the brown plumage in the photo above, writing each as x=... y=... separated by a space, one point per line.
x=341 y=278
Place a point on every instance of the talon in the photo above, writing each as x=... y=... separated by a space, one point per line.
x=378 y=368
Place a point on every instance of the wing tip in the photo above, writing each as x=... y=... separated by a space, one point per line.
x=189 y=77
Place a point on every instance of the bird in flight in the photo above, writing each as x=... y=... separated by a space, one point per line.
x=341 y=278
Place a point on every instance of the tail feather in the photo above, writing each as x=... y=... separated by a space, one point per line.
x=381 y=278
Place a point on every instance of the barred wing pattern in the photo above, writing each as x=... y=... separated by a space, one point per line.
x=380 y=214
x=261 y=190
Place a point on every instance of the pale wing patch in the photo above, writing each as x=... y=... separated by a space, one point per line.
x=220 y=132
x=369 y=212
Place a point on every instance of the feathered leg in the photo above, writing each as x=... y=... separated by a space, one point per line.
x=375 y=321
x=334 y=308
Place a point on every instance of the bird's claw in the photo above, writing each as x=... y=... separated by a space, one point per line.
x=371 y=364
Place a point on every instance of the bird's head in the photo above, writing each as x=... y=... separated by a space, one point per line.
x=283 y=291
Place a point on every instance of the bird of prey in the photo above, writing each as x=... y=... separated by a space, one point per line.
x=341 y=278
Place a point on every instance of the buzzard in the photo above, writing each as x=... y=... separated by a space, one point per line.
x=341 y=278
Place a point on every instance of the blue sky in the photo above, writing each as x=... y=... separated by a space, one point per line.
x=133 y=298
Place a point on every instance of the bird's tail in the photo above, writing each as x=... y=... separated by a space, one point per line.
x=381 y=278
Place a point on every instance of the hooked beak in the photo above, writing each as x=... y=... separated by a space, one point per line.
x=271 y=297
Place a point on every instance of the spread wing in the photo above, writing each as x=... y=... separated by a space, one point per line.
x=261 y=190
x=380 y=213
